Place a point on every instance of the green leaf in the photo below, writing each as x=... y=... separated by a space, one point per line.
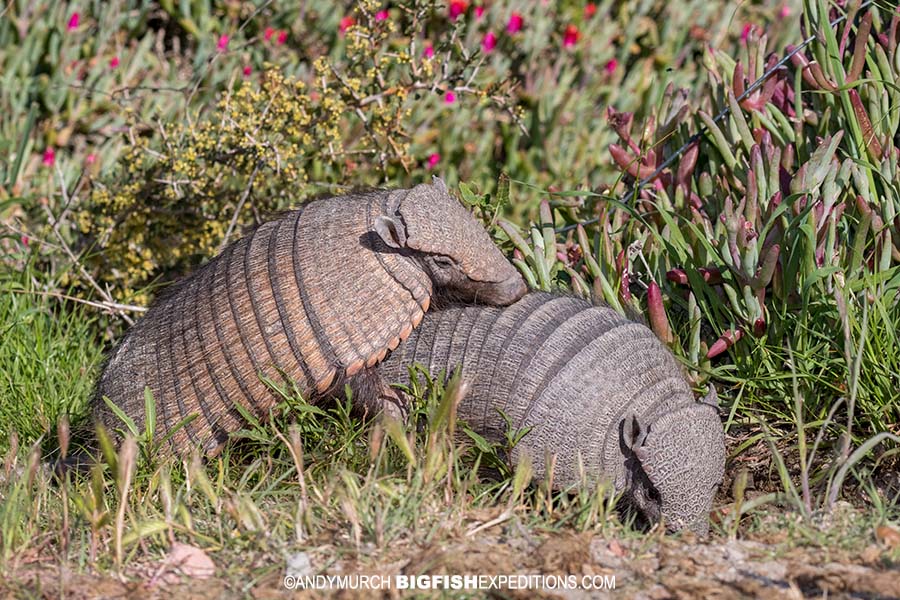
x=120 y=414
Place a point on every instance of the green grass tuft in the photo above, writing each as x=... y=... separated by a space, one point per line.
x=49 y=359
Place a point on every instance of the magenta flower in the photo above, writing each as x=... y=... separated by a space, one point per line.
x=611 y=66
x=428 y=52
x=345 y=24
x=73 y=21
x=114 y=62
x=433 y=160
x=515 y=23
x=745 y=32
x=489 y=42
x=458 y=8
x=268 y=33
x=25 y=240
x=49 y=158
x=784 y=12
x=90 y=159
x=571 y=36
x=479 y=12
x=382 y=15
x=449 y=98
x=222 y=44
x=282 y=37
x=247 y=70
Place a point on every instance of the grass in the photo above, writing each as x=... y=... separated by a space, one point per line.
x=317 y=482
x=308 y=476
x=50 y=357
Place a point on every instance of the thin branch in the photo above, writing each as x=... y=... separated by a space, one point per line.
x=237 y=209
x=75 y=261
x=110 y=307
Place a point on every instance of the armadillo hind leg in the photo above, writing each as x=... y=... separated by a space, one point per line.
x=373 y=395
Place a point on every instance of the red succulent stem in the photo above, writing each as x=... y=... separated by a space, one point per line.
x=801 y=62
x=859 y=47
x=711 y=275
x=871 y=139
x=677 y=276
x=686 y=165
x=725 y=341
x=630 y=164
x=659 y=322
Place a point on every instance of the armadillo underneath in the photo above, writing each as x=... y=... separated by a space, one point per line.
x=316 y=297
x=597 y=390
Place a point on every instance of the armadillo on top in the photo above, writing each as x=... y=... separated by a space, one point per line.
x=319 y=296
x=598 y=391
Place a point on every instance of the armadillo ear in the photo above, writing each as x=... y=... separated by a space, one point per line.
x=391 y=231
x=642 y=455
x=439 y=184
x=711 y=398
x=632 y=432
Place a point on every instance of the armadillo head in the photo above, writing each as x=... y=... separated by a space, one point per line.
x=452 y=247
x=682 y=455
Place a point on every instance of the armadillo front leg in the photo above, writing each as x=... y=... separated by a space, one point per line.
x=372 y=395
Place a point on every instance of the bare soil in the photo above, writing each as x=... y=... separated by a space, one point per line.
x=653 y=567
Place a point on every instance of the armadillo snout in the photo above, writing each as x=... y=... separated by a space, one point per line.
x=504 y=293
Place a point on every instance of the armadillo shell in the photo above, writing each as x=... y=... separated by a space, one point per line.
x=568 y=370
x=311 y=297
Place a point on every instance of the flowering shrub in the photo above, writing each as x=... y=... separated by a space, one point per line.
x=265 y=141
x=463 y=89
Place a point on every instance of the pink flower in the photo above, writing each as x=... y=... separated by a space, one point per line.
x=590 y=10
x=49 y=157
x=114 y=62
x=785 y=12
x=345 y=24
x=25 y=240
x=222 y=44
x=611 y=66
x=382 y=15
x=515 y=23
x=429 y=51
x=458 y=8
x=570 y=37
x=479 y=12
x=745 y=32
x=433 y=160
x=282 y=37
x=248 y=70
x=489 y=42
x=268 y=33
x=449 y=98
x=90 y=159
x=73 y=21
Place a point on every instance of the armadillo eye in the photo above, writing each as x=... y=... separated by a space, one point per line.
x=444 y=262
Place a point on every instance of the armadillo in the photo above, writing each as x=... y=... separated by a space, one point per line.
x=317 y=297
x=598 y=391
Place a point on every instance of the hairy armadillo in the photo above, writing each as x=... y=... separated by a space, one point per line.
x=318 y=296
x=593 y=387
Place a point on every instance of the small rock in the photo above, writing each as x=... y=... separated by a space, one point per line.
x=616 y=548
x=871 y=555
x=191 y=561
x=298 y=565
x=887 y=535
